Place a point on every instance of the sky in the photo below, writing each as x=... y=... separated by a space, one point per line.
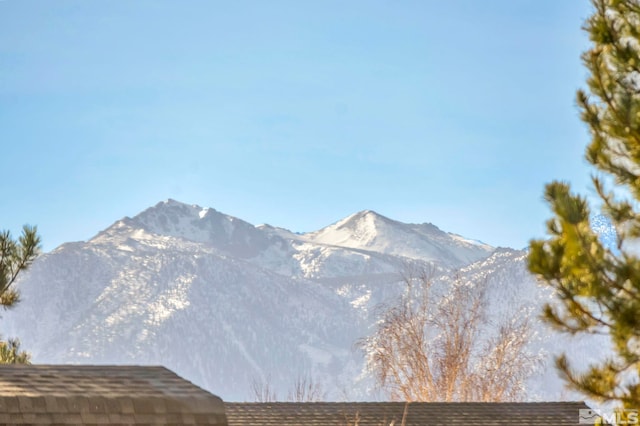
x=292 y=113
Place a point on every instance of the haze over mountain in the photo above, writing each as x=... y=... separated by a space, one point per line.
x=223 y=302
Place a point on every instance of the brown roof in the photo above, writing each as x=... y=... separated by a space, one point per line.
x=391 y=413
x=83 y=394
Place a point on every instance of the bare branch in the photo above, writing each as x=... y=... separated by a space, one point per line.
x=428 y=348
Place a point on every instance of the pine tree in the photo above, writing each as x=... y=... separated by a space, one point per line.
x=15 y=257
x=598 y=287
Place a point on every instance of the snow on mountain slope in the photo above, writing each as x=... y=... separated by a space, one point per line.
x=217 y=320
x=275 y=249
x=367 y=230
x=203 y=225
x=513 y=290
x=223 y=302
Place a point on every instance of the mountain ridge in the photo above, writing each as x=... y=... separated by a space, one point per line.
x=223 y=302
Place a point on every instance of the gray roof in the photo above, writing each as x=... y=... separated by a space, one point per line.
x=391 y=413
x=83 y=394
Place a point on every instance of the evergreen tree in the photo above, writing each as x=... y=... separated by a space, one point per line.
x=15 y=256
x=598 y=287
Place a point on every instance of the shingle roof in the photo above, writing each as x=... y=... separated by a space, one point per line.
x=391 y=413
x=81 y=394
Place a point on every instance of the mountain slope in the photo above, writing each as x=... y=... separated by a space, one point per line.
x=216 y=320
x=224 y=303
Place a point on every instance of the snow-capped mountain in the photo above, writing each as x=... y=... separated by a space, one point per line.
x=225 y=303
x=367 y=230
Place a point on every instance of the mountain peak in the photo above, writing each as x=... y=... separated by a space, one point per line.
x=171 y=204
x=194 y=223
x=367 y=213
x=168 y=217
x=171 y=201
x=365 y=230
x=371 y=231
x=367 y=218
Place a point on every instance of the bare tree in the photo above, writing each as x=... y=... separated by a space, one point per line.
x=262 y=391
x=305 y=389
x=439 y=347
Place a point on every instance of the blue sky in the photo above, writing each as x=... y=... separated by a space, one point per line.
x=293 y=113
